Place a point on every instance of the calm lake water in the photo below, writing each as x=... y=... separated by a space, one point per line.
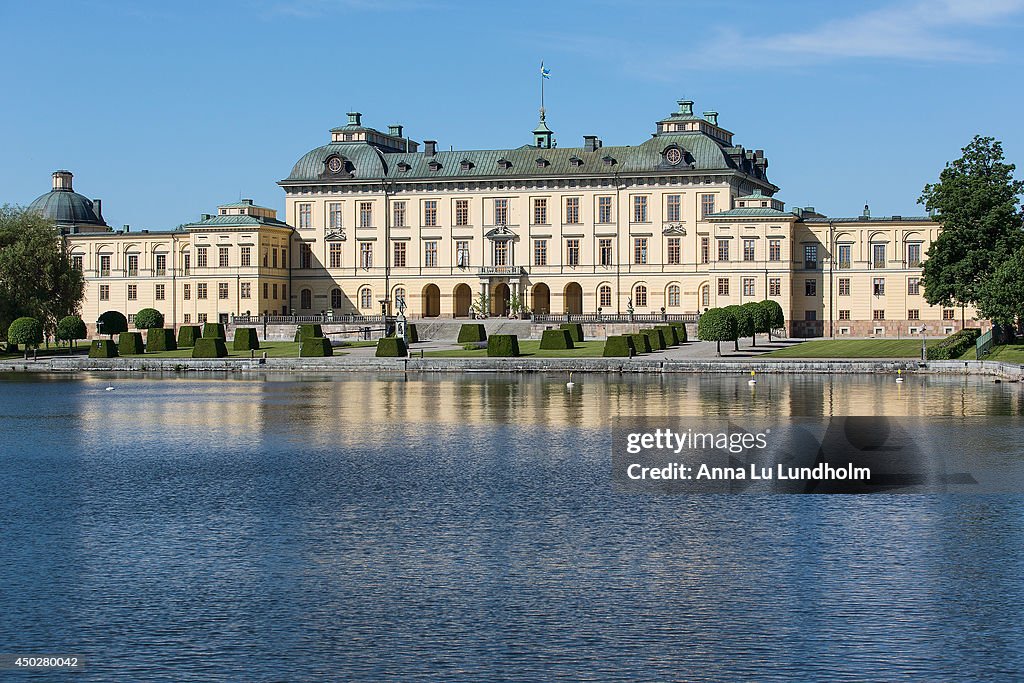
x=445 y=528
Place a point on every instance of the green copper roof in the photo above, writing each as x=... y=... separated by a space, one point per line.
x=236 y=221
x=242 y=204
x=751 y=212
x=65 y=207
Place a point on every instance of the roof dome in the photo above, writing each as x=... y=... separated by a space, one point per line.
x=64 y=206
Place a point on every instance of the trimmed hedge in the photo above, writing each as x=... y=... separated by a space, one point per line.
x=413 y=333
x=656 y=337
x=315 y=347
x=245 y=339
x=556 y=339
x=669 y=333
x=102 y=348
x=641 y=342
x=160 y=339
x=954 y=345
x=620 y=346
x=392 y=347
x=210 y=347
x=473 y=332
x=503 y=346
x=214 y=331
x=148 y=318
x=308 y=332
x=187 y=336
x=71 y=328
x=681 y=334
x=130 y=344
x=575 y=330
x=112 y=322
x=25 y=331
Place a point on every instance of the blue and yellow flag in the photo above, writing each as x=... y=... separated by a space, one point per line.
x=544 y=71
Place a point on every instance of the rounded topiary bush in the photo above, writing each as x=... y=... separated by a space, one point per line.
x=503 y=346
x=717 y=325
x=71 y=328
x=619 y=346
x=308 y=332
x=744 y=323
x=214 y=331
x=160 y=339
x=130 y=344
x=112 y=322
x=472 y=332
x=102 y=348
x=315 y=347
x=556 y=339
x=575 y=330
x=776 y=318
x=27 y=332
x=246 y=339
x=760 y=317
x=148 y=318
x=210 y=347
x=391 y=347
x=681 y=334
x=187 y=336
x=656 y=338
x=669 y=333
x=641 y=342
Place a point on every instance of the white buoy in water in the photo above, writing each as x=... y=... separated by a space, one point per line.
x=899 y=376
x=109 y=389
x=752 y=381
x=570 y=384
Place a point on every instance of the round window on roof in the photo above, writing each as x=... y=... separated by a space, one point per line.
x=673 y=155
x=334 y=165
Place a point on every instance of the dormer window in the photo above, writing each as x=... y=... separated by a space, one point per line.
x=466 y=164
x=576 y=161
x=608 y=160
x=542 y=162
x=505 y=164
x=434 y=165
x=403 y=166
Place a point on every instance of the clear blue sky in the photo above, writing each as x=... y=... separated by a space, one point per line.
x=165 y=110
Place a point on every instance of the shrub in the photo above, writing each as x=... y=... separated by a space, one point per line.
x=71 y=328
x=25 y=331
x=214 y=331
x=160 y=339
x=760 y=316
x=130 y=344
x=245 y=339
x=669 y=333
x=148 y=318
x=620 y=346
x=681 y=334
x=556 y=339
x=187 y=336
x=413 y=333
x=776 y=318
x=503 y=346
x=472 y=332
x=112 y=322
x=392 y=347
x=656 y=338
x=102 y=348
x=210 y=347
x=954 y=345
x=315 y=347
x=473 y=346
x=717 y=325
x=575 y=330
x=641 y=344
x=308 y=332
x=744 y=323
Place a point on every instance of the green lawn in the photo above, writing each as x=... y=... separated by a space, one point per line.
x=853 y=348
x=1008 y=353
x=531 y=347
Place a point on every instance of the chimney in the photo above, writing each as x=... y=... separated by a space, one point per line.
x=430 y=147
x=711 y=117
x=355 y=118
x=62 y=180
x=97 y=205
x=685 y=107
x=590 y=143
x=395 y=130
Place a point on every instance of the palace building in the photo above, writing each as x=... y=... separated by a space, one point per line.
x=684 y=221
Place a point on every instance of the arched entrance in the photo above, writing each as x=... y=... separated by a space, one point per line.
x=499 y=299
x=431 y=301
x=463 y=300
x=541 y=298
x=573 y=298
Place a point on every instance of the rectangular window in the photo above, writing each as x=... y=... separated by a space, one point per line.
x=187 y=265
x=878 y=314
x=605 y=297
x=334 y=215
x=774 y=250
x=844 y=314
x=161 y=264
x=844 y=286
x=540 y=252
x=133 y=265
x=913 y=314
x=461 y=212
x=914 y=286
x=501 y=253
x=748 y=250
x=398 y=214
x=245 y=290
x=365 y=214
x=266 y=291
x=723 y=286
x=501 y=212
x=810 y=316
x=273 y=253
x=274 y=291
x=366 y=255
x=604 y=209
x=723 y=250
x=201 y=318
x=201 y=290
x=305 y=215
x=913 y=256
x=305 y=255
x=334 y=254
x=104 y=265
x=246 y=257
x=707 y=204
x=705 y=250
x=201 y=257
x=674 y=251
x=462 y=254
x=572 y=210
x=673 y=296
x=640 y=209
x=188 y=318
x=810 y=287
x=878 y=256
x=672 y=212
x=948 y=314
x=77 y=262
x=572 y=252
x=133 y=292
x=160 y=292
x=640 y=250
x=811 y=256
x=186 y=292
x=844 y=255
x=222 y=257
x=430 y=213
x=399 y=255
x=222 y=290
x=604 y=247
x=430 y=254
x=748 y=286
x=104 y=292
x=775 y=287
x=540 y=211
x=878 y=286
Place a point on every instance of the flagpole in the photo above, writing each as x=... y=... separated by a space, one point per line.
x=542 y=85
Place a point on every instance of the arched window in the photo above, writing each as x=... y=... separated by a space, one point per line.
x=705 y=296
x=673 y=296
x=306 y=299
x=400 y=295
x=640 y=296
x=366 y=298
x=335 y=298
x=604 y=296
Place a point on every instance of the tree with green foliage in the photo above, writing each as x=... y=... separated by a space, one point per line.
x=26 y=331
x=70 y=329
x=761 y=320
x=776 y=318
x=717 y=325
x=37 y=277
x=112 y=322
x=744 y=323
x=148 y=319
x=1001 y=295
x=977 y=202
